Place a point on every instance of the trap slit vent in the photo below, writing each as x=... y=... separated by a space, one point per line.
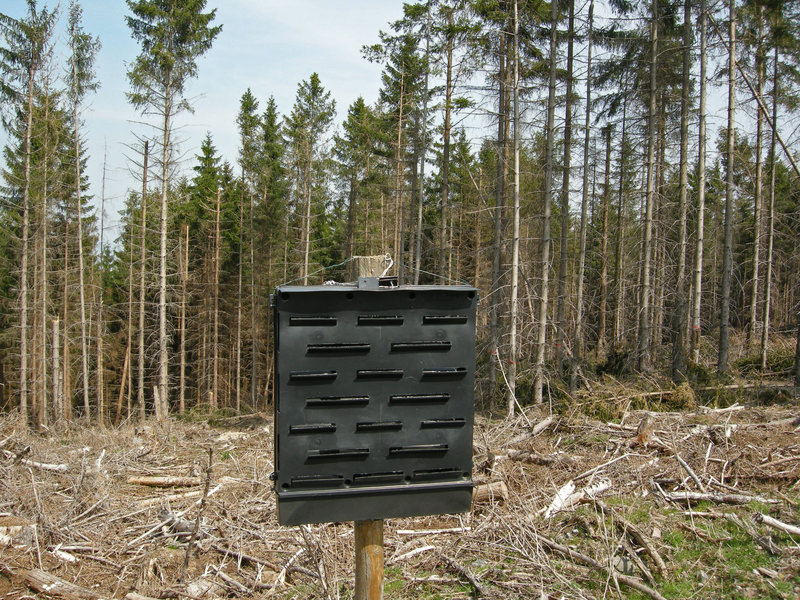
x=312 y=428
x=421 y=346
x=316 y=481
x=418 y=450
x=418 y=398
x=442 y=423
x=338 y=454
x=312 y=376
x=379 y=426
x=312 y=321
x=377 y=478
x=338 y=348
x=444 y=319
x=382 y=320
x=444 y=373
x=379 y=374
x=436 y=474
x=336 y=401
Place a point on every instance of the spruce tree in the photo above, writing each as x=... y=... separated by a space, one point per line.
x=173 y=34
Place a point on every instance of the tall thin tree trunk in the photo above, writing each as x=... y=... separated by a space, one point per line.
x=398 y=177
x=770 y=217
x=644 y=333
x=512 y=363
x=184 y=283
x=23 y=274
x=129 y=337
x=727 y=256
x=500 y=191
x=679 y=314
x=40 y=401
x=758 y=200
x=423 y=153
x=214 y=394
x=445 y=261
x=101 y=403
x=563 y=262
x=57 y=400
x=579 y=342
x=254 y=311
x=239 y=309
x=65 y=360
x=701 y=193
x=142 y=260
x=81 y=257
x=619 y=275
x=541 y=338
x=163 y=357
x=603 y=307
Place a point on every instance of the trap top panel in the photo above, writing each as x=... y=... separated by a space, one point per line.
x=374 y=409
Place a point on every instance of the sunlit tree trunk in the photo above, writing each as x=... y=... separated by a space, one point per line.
x=184 y=283
x=697 y=288
x=579 y=335
x=163 y=358
x=679 y=314
x=512 y=363
x=770 y=216
x=142 y=260
x=643 y=350
x=619 y=275
x=500 y=191
x=563 y=259
x=727 y=250
x=752 y=329
x=214 y=394
x=541 y=338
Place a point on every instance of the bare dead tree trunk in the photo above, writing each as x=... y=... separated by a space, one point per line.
x=423 y=153
x=512 y=363
x=254 y=308
x=239 y=309
x=101 y=403
x=758 y=201
x=184 y=283
x=500 y=191
x=603 y=307
x=770 y=216
x=563 y=259
x=619 y=275
x=727 y=256
x=701 y=194
x=643 y=350
x=23 y=275
x=679 y=314
x=541 y=340
x=213 y=395
x=445 y=263
x=142 y=259
x=57 y=401
x=163 y=357
x=398 y=173
x=579 y=342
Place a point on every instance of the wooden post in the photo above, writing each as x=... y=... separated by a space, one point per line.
x=369 y=560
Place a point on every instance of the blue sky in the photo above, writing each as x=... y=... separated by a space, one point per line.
x=266 y=45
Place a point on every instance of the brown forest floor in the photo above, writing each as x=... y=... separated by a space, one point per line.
x=628 y=525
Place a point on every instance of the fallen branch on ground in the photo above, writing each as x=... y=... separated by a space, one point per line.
x=716 y=498
x=164 y=481
x=776 y=524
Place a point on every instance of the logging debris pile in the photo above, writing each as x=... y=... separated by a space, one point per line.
x=655 y=505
